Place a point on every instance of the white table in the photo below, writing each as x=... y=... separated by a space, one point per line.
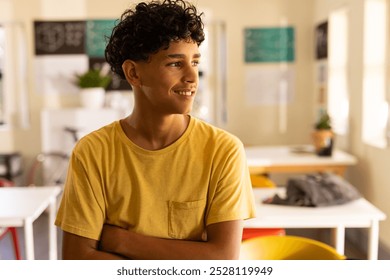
x=297 y=159
x=357 y=214
x=21 y=206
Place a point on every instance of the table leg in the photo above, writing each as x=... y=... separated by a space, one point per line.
x=373 y=240
x=338 y=236
x=29 y=239
x=52 y=230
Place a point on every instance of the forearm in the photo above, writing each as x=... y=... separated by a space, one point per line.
x=223 y=242
x=79 y=248
x=93 y=254
x=146 y=247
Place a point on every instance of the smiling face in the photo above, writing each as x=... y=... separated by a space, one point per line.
x=167 y=83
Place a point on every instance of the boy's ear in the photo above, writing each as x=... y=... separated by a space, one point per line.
x=130 y=70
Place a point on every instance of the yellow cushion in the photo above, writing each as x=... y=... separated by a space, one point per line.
x=261 y=181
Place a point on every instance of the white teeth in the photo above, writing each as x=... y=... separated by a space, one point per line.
x=187 y=93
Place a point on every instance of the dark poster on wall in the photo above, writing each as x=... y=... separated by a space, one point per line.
x=59 y=37
x=321 y=36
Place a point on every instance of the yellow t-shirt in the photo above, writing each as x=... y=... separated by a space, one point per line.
x=175 y=192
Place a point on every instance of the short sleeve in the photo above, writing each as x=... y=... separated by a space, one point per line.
x=81 y=210
x=233 y=198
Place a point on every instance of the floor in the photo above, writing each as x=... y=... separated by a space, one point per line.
x=41 y=241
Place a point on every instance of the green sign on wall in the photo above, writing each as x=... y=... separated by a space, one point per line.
x=96 y=33
x=269 y=44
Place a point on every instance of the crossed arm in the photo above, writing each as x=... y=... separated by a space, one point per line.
x=223 y=242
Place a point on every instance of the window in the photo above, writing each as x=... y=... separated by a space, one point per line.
x=14 y=110
x=338 y=96
x=375 y=107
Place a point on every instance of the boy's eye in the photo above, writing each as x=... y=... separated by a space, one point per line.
x=180 y=64
x=175 y=64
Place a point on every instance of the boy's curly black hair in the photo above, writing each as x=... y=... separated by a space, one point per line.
x=151 y=27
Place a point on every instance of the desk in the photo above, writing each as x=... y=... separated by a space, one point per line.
x=271 y=159
x=21 y=206
x=356 y=214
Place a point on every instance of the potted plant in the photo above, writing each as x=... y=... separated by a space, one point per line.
x=323 y=135
x=92 y=84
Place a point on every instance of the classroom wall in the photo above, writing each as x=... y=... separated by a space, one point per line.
x=254 y=124
x=371 y=174
x=262 y=122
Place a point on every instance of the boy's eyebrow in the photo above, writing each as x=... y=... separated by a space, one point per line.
x=178 y=55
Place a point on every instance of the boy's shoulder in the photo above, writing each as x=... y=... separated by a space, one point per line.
x=102 y=134
x=205 y=129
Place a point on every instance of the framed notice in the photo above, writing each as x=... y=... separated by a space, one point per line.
x=269 y=86
x=72 y=37
x=269 y=44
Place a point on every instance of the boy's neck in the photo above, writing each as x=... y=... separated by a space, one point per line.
x=155 y=134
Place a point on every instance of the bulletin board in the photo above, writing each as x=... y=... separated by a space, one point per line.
x=59 y=37
x=72 y=37
x=97 y=32
x=274 y=44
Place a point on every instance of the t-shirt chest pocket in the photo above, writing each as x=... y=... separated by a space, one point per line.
x=186 y=219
